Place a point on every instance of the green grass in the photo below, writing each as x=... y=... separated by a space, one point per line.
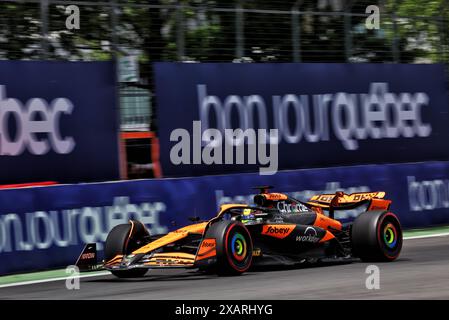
x=42 y=275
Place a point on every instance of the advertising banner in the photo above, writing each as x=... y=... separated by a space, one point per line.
x=58 y=121
x=46 y=227
x=323 y=115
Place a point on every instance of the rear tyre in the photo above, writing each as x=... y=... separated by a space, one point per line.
x=234 y=247
x=376 y=236
x=123 y=239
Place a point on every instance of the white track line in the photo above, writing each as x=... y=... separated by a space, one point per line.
x=23 y=283
x=445 y=234
x=99 y=274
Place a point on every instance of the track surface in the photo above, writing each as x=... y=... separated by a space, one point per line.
x=422 y=272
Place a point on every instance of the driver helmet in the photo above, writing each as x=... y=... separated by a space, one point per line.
x=247 y=215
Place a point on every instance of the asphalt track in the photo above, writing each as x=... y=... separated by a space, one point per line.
x=421 y=272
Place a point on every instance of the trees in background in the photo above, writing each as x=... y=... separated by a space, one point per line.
x=196 y=30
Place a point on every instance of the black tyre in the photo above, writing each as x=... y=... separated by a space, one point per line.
x=234 y=247
x=376 y=236
x=124 y=239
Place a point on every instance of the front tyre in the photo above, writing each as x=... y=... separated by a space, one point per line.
x=234 y=247
x=376 y=236
x=123 y=239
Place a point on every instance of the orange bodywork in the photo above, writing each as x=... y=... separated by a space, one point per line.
x=116 y=260
x=379 y=204
x=325 y=222
x=208 y=249
x=274 y=196
x=173 y=259
x=328 y=236
x=172 y=237
x=227 y=206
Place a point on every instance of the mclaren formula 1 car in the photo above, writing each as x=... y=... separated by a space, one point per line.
x=277 y=227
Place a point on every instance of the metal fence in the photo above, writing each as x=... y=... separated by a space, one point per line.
x=228 y=31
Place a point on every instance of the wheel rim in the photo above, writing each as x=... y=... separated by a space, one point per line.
x=390 y=236
x=239 y=247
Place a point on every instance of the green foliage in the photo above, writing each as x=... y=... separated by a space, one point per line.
x=423 y=26
x=210 y=35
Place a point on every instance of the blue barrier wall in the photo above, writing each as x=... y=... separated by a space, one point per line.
x=58 y=121
x=325 y=114
x=46 y=227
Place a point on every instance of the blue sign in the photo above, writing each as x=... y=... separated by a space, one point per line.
x=46 y=227
x=324 y=114
x=58 y=121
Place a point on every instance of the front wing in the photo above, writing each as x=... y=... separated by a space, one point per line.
x=206 y=255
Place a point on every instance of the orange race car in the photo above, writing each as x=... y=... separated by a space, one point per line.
x=276 y=228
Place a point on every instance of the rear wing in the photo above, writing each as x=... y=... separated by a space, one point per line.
x=342 y=201
x=340 y=198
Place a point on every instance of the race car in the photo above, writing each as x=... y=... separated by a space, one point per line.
x=276 y=228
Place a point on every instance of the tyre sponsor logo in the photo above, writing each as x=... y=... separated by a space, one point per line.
x=278 y=231
x=310 y=235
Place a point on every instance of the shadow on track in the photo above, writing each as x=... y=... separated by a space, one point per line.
x=198 y=275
